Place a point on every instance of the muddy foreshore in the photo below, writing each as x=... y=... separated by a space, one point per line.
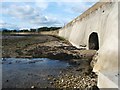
x=79 y=75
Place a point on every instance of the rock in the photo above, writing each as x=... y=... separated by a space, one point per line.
x=95 y=88
x=10 y=63
x=79 y=69
x=62 y=80
x=32 y=86
x=54 y=79
x=74 y=87
x=51 y=83
x=18 y=61
x=94 y=60
x=49 y=78
x=60 y=72
x=7 y=80
x=3 y=59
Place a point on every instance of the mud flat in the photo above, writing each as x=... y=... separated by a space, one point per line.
x=78 y=73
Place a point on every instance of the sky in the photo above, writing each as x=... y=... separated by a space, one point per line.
x=16 y=14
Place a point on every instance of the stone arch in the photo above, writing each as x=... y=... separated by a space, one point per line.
x=93 y=41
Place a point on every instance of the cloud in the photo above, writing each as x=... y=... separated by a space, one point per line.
x=38 y=12
x=8 y=26
x=1 y=21
x=81 y=7
x=30 y=14
x=45 y=20
x=20 y=11
x=50 y=0
x=75 y=7
x=42 y=4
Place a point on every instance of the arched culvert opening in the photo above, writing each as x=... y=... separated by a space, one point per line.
x=93 y=41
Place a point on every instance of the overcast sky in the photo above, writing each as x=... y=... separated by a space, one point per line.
x=39 y=13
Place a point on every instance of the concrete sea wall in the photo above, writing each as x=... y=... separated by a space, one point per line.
x=101 y=22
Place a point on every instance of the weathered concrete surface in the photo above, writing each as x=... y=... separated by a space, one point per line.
x=102 y=19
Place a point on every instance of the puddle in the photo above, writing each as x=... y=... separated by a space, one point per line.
x=24 y=73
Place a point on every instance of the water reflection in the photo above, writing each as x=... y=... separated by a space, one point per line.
x=23 y=73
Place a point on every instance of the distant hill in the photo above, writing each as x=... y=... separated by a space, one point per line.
x=1 y=29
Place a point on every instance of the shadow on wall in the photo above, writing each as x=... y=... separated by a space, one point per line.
x=93 y=41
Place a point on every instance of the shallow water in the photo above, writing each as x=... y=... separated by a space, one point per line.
x=12 y=37
x=24 y=73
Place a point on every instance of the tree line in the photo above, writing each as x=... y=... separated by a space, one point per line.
x=34 y=30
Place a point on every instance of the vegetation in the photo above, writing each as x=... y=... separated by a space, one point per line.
x=33 y=30
x=48 y=28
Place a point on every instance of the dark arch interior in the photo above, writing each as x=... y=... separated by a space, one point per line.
x=93 y=41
